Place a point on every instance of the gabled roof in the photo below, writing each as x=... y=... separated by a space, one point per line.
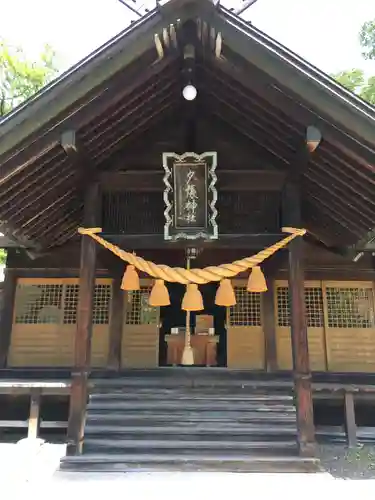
x=268 y=93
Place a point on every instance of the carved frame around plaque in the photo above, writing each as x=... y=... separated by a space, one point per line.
x=190 y=196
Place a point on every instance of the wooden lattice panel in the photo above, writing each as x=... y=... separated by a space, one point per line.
x=140 y=341
x=100 y=321
x=247 y=311
x=45 y=318
x=349 y=307
x=314 y=311
x=245 y=337
x=132 y=212
x=38 y=304
x=350 y=326
x=71 y=304
x=138 y=310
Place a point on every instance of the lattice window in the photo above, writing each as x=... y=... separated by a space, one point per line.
x=57 y=303
x=283 y=306
x=247 y=310
x=102 y=300
x=350 y=307
x=139 y=312
x=314 y=307
x=36 y=304
x=70 y=304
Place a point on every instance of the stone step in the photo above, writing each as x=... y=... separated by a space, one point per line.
x=161 y=417
x=111 y=427
x=189 y=419
x=196 y=377
x=192 y=389
x=145 y=462
x=187 y=404
x=196 y=395
x=186 y=434
x=92 y=445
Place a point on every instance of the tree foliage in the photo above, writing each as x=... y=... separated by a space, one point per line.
x=367 y=39
x=355 y=79
x=21 y=78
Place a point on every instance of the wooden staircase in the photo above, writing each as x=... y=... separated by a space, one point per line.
x=189 y=419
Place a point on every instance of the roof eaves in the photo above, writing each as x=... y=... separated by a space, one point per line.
x=72 y=85
x=323 y=91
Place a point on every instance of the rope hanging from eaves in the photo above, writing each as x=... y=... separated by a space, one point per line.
x=195 y=275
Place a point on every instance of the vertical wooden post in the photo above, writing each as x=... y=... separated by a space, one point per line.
x=115 y=327
x=7 y=311
x=34 y=414
x=301 y=362
x=82 y=348
x=350 y=423
x=268 y=317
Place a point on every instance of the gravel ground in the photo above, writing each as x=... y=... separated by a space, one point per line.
x=345 y=463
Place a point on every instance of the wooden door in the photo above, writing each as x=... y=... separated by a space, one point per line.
x=45 y=322
x=140 y=339
x=245 y=337
x=315 y=325
x=43 y=330
x=350 y=326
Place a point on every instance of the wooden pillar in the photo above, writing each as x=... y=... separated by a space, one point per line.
x=115 y=327
x=82 y=348
x=34 y=414
x=301 y=363
x=7 y=311
x=268 y=316
x=350 y=423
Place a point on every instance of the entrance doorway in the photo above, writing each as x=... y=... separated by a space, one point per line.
x=209 y=342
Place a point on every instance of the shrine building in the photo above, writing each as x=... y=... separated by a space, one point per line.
x=189 y=219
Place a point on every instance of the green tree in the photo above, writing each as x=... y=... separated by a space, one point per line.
x=355 y=79
x=367 y=39
x=21 y=78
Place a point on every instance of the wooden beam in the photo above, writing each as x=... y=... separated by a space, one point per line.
x=246 y=4
x=82 y=347
x=123 y=51
x=6 y=242
x=115 y=327
x=94 y=104
x=34 y=414
x=156 y=241
x=228 y=180
x=275 y=159
x=251 y=124
x=6 y=316
x=258 y=82
x=355 y=118
x=350 y=423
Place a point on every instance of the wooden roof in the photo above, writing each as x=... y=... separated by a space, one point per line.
x=75 y=126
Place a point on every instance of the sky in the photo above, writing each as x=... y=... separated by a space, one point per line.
x=325 y=32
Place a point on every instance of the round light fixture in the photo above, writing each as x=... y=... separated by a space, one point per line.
x=189 y=92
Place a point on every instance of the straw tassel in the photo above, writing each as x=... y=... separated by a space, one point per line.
x=187 y=358
x=225 y=295
x=130 y=280
x=193 y=300
x=257 y=281
x=159 y=295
